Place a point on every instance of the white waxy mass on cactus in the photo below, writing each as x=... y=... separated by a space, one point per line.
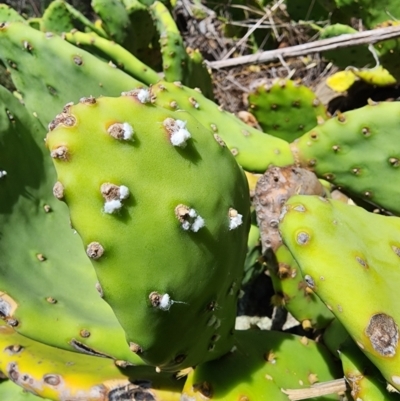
x=197 y=224
x=112 y=206
x=143 y=95
x=128 y=131
x=235 y=219
x=3 y=173
x=113 y=194
x=162 y=301
x=123 y=192
x=189 y=218
x=165 y=302
x=178 y=132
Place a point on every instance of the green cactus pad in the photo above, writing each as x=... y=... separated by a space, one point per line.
x=28 y=54
x=9 y=391
x=253 y=149
x=370 y=12
x=339 y=246
x=8 y=14
x=172 y=49
x=143 y=30
x=292 y=291
x=286 y=109
x=355 y=151
x=163 y=211
x=114 y=53
x=260 y=366
x=47 y=286
x=60 y=17
x=273 y=189
x=179 y=64
x=62 y=375
x=114 y=17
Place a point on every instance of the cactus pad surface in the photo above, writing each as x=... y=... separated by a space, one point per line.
x=47 y=286
x=61 y=375
x=286 y=109
x=342 y=246
x=252 y=149
x=260 y=365
x=28 y=53
x=355 y=151
x=163 y=211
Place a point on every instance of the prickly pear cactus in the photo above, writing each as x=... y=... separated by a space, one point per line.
x=27 y=53
x=253 y=149
x=260 y=367
x=60 y=17
x=273 y=189
x=119 y=56
x=163 y=212
x=114 y=17
x=364 y=379
x=47 y=287
x=9 y=391
x=314 y=229
x=355 y=152
x=286 y=109
x=61 y=375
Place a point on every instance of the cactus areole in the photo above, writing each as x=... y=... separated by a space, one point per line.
x=163 y=212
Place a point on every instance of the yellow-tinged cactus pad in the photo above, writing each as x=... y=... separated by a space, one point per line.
x=364 y=379
x=261 y=364
x=163 y=210
x=9 y=391
x=350 y=258
x=63 y=375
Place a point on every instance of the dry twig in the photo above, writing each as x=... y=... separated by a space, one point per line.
x=347 y=40
x=326 y=388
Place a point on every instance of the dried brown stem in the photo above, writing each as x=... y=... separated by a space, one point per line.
x=318 y=46
x=331 y=387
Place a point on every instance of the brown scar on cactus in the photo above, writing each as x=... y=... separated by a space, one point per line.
x=219 y=140
x=52 y=380
x=13 y=349
x=51 y=300
x=84 y=349
x=7 y=306
x=383 y=334
x=99 y=290
x=162 y=301
x=58 y=190
x=114 y=390
x=121 y=131
x=362 y=262
x=143 y=95
x=113 y=195
x=65 y=119
x=95 y=250
x=204 y=388
x=135 y=348
x=84 y=333
x=60 y=153
x=189 y=218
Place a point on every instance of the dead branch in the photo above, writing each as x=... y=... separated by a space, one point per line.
x=318 y=46
x=316 y=390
